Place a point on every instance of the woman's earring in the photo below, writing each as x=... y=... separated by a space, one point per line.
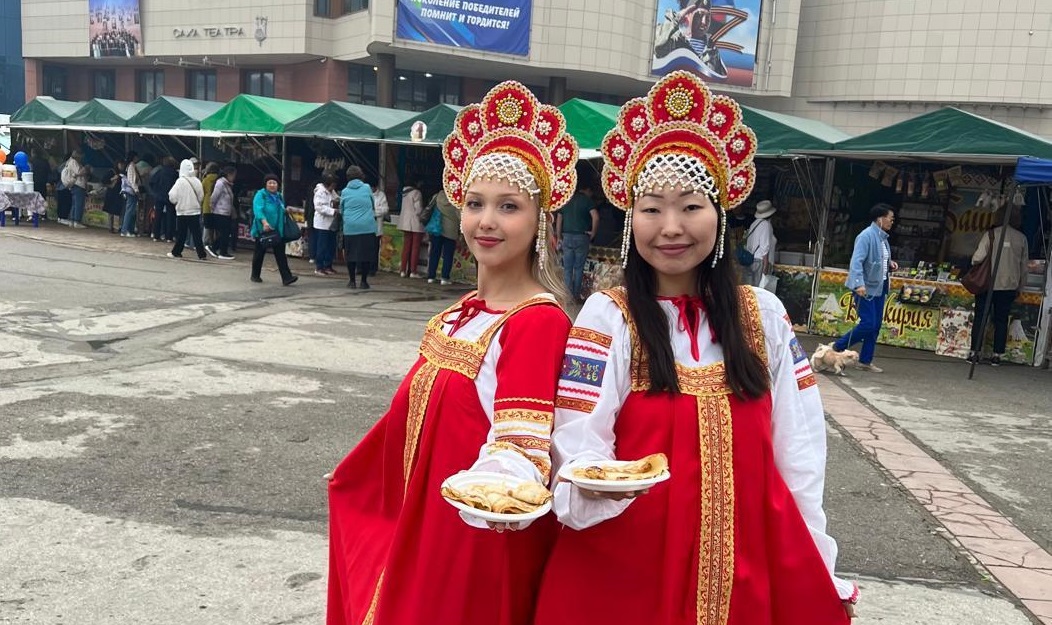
x=542 y=238
x=720 y=243
x=626 y=238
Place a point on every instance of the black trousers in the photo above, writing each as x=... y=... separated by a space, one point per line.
x=64 y=202
x=278 y=248
x=164 y=221
x=221 y=227
x=188 y=225
x=1002 y=308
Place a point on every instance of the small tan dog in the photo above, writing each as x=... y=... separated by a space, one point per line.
x=826 y=358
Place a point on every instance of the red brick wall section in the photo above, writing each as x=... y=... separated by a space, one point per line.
x=34 y=78
x=126 y=87
x=228 y=83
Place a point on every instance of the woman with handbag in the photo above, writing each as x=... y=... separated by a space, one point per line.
x=359 y=227
x=411 y=223
x=480 y=397
x=268 y=229
x=1002 y=288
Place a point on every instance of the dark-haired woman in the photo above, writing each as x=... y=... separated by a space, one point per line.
x=684 y=362
x=268 y=225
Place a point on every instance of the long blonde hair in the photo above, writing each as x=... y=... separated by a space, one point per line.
x=549 y=273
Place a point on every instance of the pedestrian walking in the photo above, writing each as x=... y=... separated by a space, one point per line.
x=268 y=228
x=1005 y=286
x=222 y=203
x=479 y=397
x=575 y=227
x=444 y=239
x=359 y=228
x=186 y=195
x=869 y=276
x=683 y=362
x=411 y=224
x=326 y=205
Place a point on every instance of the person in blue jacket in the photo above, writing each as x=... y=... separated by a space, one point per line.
x=868 y=277
x=359 y=227
x=268 y=226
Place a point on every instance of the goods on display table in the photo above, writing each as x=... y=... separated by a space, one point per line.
x=924 y=312
x=464 y=268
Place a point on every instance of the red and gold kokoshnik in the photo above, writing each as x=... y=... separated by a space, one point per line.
x=510 y=120
x=680 y=116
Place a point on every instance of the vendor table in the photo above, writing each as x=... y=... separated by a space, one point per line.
x=31 y=203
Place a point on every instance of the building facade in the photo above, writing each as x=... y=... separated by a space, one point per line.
x=856 y=64
x=12 y=72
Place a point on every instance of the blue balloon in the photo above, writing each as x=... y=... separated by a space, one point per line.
x=22 y=163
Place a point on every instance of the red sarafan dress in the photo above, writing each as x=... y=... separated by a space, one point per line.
x=481 y=396
x=737 y=534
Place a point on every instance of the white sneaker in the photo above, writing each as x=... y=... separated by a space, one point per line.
x=225 y=257
x=171 y=255
x=431 y=281
x=415 y=276
x=447 y=282
x=64 y=222
x=210 y=252
x=403 y=274
x=79 y=225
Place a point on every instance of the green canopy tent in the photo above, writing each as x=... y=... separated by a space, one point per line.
x=439 y=120
x=948 y=134
x=345 y=120
x=104 y=113
x=257 y=115
x=44 y=111
x=170 y=113
x=779 y=134
x=588 y=122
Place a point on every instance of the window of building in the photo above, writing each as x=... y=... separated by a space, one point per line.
x=259 y=82
x=323 y=8
x=201 y=84
x=150 y=86
x=55 y=82
x=361 y=84
x=591 y=96
x=105 y=84
x=353 y=6
x=418 y=91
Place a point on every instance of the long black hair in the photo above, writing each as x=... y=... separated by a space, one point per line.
x=747 y=375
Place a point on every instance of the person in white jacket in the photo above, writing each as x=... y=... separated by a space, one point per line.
x=380 y=210
x=325 y=203
x=187 y=194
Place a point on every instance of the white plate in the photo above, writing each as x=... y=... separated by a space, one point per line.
x=609 y=486
x=470 y=478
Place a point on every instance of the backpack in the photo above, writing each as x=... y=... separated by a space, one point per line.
x=744 y=256
x=434 y=223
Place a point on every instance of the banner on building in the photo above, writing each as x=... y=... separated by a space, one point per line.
x=715 y=39
x=498 y=26
x=114 y=28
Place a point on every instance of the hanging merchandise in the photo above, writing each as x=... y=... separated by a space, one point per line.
x=942 y=182
x=899 y=183
x=911 y=188
x=925 y=186
x=876 y=170
x=889 y=177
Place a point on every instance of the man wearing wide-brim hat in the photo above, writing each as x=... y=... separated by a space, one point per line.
x=760 y=241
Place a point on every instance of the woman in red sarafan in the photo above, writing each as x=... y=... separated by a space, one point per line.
x=683 y=361
x=480 y=397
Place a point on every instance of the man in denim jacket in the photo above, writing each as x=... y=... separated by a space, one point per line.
x=871 y=266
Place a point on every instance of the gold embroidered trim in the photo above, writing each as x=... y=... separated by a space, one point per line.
x=419 y=394
x=370 y=615
x=569 y=403
x=584 y=334
x=529 y=400
x=716 y=545
x=752 y=321
x=518 y=414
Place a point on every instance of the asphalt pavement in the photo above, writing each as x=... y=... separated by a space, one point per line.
x=164 y=426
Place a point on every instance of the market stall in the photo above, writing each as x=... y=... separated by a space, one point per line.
x=947 y=174
x=1035 y=175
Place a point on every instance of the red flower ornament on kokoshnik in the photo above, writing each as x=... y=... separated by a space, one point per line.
x=681 y=135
